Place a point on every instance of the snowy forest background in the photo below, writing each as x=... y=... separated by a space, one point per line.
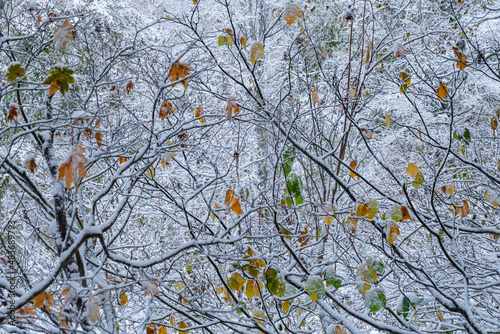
x=319 y=166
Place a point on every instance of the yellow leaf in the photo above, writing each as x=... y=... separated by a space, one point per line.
x=461 y=64
x=198 y=114
x=406 y=78
x=328 y=220
x=123 y=299
x=256 y=52
x=285 y=306
x=324 y=53
x=387 y=120
x=292 y=12
x=243 y=42
x=183 y=325
x=362 y=210
x=122 y=160
x=440 y=315
x=392 y=231
x=236 y=281
x=162 y=330
x=235 y=206
x=229 y=197
x=368 y=49
x=449 y=189
x=249 y=291
x=412 y=170
x=314 y=96
x=442 y=91
x=491 y=198
x=353 y=164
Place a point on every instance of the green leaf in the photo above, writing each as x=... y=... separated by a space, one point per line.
x=315 y=288
x=331 y=277
x=375 y=299
x=288 y=159
x=405 y=308
x=15 y=71
x=274 y=282
x=59 y=78
x=376 y=265
x=419 y=179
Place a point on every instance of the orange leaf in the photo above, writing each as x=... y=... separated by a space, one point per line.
x=165 y=109
x=62 y=34
x=229 y=197
x=98 y=138
x=442 y=91
x=179 y=71
x=314 y=96
x=123 y=299
x=367 y=134
x=292 y=12
x=74 y=166
x=197 y=114
x=12 y=113
x=30 y=164
x=353 y=164
x=235 y=206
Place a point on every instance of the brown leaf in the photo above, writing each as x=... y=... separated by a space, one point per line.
x=165 y=109
x=150 y=329
x=30 y=164
x=314 y=96
x=62 y=34
x=39 y=300
x=367 y=134
x=12 y=113
x=405 y=213
x=494 y=123
x=179 y=71
x=399 y=50
x=129 y=87
x=98 y=138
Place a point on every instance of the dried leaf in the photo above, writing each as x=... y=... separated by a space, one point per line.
x=494 y=123
x=30 y=163
x=387 y=120
x=129 y=87
x=98 y=138
x=229 y=197
x=243 y=42
x=367 y=134
x=93 y=310
x=399 y=50
x=179 y=71
x=351 y=224
x=405 y=213
x=165 y=109
x=12 y=113
x=62 y=34
x=121 y=160
x=150 y=288
x=256 y=52
x=235 y=206
x=74 y=166
x=448 y=189
x=440 y=315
